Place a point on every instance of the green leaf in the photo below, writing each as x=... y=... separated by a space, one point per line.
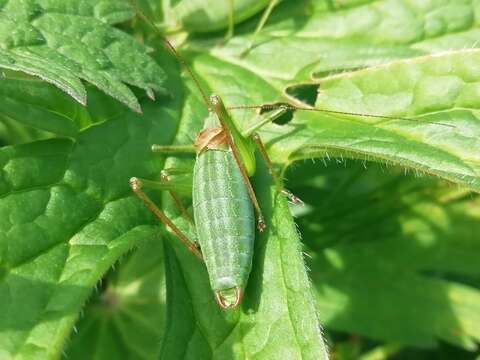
x=277 y=317
x=42 y=106
x=68 y=214
x=126 y=320
x=67 y=217
x=37 y=104
x=403 y=246
x=307 y=39
x=389 y=22
x=440 y=92
x=13 y=133
x=63 y=42
x=82 y=217
x=210 y=15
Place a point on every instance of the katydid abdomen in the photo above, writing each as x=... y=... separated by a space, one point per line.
x=225 y=223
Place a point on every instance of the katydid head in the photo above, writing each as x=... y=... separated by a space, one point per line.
x=229 y=298
x=218 y=106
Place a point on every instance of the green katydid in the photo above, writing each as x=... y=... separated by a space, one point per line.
x=221 y=185
x=224 y=200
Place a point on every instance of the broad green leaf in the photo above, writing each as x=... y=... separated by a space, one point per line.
x=305 y=39
x=403 y=246
x=68 y=214
x=42 y=106
x=441 y=92
x=277 y=318
x=38 y=104
x=63 y=42
x=14 y=133
x=390 y=22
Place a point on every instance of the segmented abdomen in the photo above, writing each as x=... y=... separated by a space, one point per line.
x=223 y=218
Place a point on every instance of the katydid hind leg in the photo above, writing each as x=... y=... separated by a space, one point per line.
x=137 y=184
x=251 y=192
x=263 y=151
x=222 y=115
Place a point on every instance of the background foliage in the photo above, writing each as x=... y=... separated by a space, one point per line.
x=391 y=216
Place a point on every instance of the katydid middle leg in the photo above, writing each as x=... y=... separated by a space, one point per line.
x=165 y=184
x=166 y=174
x=165 y=177
x=137 y=186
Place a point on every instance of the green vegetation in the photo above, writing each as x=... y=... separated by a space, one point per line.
x=392 y=213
